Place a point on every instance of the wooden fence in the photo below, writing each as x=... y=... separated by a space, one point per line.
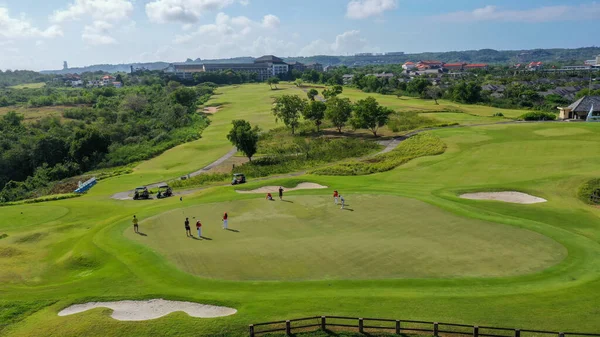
x=364 y=325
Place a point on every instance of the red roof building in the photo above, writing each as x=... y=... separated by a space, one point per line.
x=454 y=66
x=476 y=66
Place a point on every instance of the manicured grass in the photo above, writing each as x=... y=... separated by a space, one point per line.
x=52 y=258
x=375 y=237
x=35 y=114
x=29 y=85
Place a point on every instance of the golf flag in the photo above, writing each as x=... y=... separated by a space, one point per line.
x=589 y=116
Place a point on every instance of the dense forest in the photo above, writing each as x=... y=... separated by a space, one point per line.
x=104 y=127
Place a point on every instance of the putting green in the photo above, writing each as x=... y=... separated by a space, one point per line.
x=308 y=238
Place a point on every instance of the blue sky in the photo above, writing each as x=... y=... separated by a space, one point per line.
x=40 y=34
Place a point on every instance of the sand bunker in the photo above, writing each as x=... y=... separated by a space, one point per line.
x=211 y=109
x=151 y=309
x=275 y=189
x=511 y=196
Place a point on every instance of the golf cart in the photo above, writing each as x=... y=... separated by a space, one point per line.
x=141 y=193
x=164 y=191
x=238 y=178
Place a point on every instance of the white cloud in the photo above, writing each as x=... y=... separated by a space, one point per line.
x=361 y=9
x=541 y=14
x=106 y=10
x=184 y=11
x=271 y=21
x=97 y=34
x=15 y=28
x=349 y=42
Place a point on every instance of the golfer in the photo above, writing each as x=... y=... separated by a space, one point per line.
x=343 y=201
x=225 y=220
x=135 y=224
x=199 y=228
x=335 y=197
x=280 y=193
x=269 y=197
x=188 y=231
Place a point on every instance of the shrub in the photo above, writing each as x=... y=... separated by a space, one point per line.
x=590 y=192
x=538 y=116
x=421 y=145
x=498 y=114
x=201 y=179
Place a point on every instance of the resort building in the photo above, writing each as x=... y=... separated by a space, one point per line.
x=581 y=108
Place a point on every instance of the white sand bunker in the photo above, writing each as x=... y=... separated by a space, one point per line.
x=511 y=196
x=275 y=189
x=211 y=109
x=151 y=309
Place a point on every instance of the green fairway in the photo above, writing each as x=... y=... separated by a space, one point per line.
x=410 y=249
x=29 y=86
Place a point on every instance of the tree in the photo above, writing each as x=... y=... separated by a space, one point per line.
x=315 y=111
x=312 y=93
x=119 y=78
x=273 y=81
x=434 y=93
x=299 y=82
x=418 y=86
x=339 y=111
x=288 y=108
x=466 y=92
x=368 y=114
x=333 y=91
x=186 y=97
x=245 y=137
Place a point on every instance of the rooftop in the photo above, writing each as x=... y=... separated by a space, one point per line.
x=585 y=103
x=268 y=59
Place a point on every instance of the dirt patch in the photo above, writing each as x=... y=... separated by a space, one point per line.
x=151 y=309
x=9 y=252
x=34 y=237
x=275 y=189
x=211 y=110
x=509 y=196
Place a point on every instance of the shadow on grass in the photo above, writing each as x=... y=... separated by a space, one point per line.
x=291 y=202
x=232 y=230
x=142 y=234
x=348 y=209
x=205 y=238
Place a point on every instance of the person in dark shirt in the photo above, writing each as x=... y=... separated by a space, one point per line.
x=188 y=231
x=280 y=193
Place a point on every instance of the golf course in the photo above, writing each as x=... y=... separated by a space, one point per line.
x=406 y=245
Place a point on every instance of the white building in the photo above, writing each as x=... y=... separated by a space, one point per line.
x=409 y=66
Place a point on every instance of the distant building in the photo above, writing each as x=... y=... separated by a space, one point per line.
x=65 y=65
x=329 y=68
x=533 y=66
x=347 y=78
x=76 y=83
x=395 y=53
x=454 y=66
x=425 y=65
x=363 y=54
x=382 y=75
x=476 y=66
x=107 y=80
x=315 y=66
x=409 y=66
x=297 y=66
x=117 y=84
x=581 y=108
x=265 y=67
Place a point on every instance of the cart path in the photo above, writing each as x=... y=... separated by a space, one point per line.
x=390 y=145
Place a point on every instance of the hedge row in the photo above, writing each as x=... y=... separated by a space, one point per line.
x=421 y=145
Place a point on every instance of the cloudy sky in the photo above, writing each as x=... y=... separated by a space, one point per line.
x=41 y=34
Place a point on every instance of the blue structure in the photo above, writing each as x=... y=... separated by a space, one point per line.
x=86 y=185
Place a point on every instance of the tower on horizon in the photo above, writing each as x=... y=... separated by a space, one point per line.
x=65 y=65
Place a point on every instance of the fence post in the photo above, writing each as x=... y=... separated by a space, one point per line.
x=517 y=333
x=435 y=329
x=361 y=325
x=288 y=328
x=323 y=323
x=397 y=327
x=475 y=331
x=251 y=330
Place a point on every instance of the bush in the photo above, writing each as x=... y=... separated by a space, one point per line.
x=590 y=192
x=421 y=145
x=538 y=116
x=201 y=179
x=498 y=114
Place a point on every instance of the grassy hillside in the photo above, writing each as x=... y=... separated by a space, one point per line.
x=410 y=249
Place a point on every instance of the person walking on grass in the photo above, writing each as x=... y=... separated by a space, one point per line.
x=135 y=224
x=280 y=193
x=225 y=220
x=199 y=228
x=335 y=197
x=188 y=231
x=343 y=201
